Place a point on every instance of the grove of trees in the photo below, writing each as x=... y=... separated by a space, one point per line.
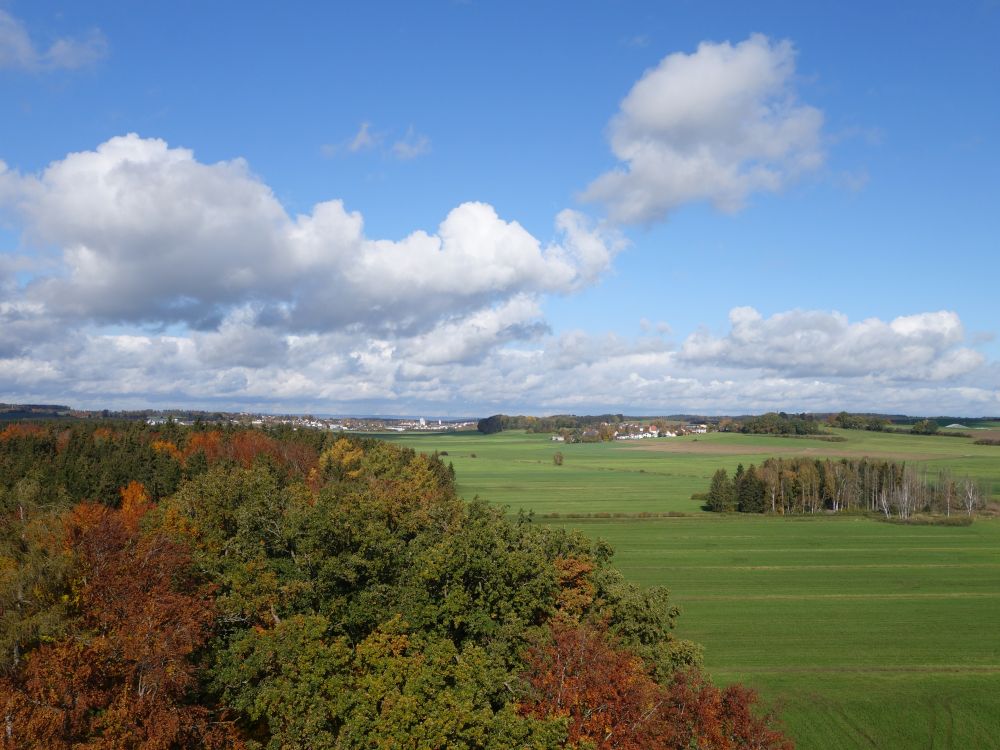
x=201 y=588
x=773 y=423
x=806 y=485
x=869 y=422
x=925 y=427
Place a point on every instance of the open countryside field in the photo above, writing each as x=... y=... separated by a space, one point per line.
x=516 y=469
x=868 y=635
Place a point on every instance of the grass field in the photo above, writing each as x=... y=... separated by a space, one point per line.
x=516 y=469
x=866 y=634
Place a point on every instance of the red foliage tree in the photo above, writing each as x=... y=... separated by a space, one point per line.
x=696 y=713
x=125 y=678
x=245 y=446
x=606 y=694
x=611 y=701
x=298 y=458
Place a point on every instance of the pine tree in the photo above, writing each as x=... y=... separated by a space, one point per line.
x=721 y=496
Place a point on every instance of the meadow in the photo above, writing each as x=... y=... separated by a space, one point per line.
x=864 y=634
x=516 y=469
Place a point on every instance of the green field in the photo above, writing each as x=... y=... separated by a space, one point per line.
x=516 y=469
x=865 y=634
x=868 y=634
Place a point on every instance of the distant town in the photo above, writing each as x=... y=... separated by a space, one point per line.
x=628 y=431
x=11 y=412
x=566 y=428
x=341 y=424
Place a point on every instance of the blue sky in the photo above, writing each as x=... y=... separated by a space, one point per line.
x=645 y=207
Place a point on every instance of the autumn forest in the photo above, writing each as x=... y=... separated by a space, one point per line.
x=169 y=587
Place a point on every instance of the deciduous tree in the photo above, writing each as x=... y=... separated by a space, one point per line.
x=124 y=677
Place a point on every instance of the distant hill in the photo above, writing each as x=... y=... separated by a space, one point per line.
x=11 y=412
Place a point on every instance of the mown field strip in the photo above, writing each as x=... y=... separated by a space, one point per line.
x=807 y=550
x=868 y=566
x=874 y=669
x=806 y=597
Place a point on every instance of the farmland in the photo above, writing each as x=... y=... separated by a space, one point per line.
x=517 y=470
x=866 y=634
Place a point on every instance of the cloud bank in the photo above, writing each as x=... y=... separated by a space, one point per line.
x=810 y=343
x=148 y=277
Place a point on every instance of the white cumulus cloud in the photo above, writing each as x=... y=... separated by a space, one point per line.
x=148 y=234
x=714 y=125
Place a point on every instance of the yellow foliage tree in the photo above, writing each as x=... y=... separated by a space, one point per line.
x=342 y=460
x=135 y=503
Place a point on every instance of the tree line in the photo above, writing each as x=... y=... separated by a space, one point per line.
x=92 y=460
x=544 y=425
x=806 y=485
x=298 y=589
x=773 y=423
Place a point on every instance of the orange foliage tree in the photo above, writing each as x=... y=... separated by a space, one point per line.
x=209 y=443
x=168 y=448
x=125 y=677
x=576 y=590
x=18 y=430
x=135 y=503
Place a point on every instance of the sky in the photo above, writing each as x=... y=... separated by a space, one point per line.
x=460 y=208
